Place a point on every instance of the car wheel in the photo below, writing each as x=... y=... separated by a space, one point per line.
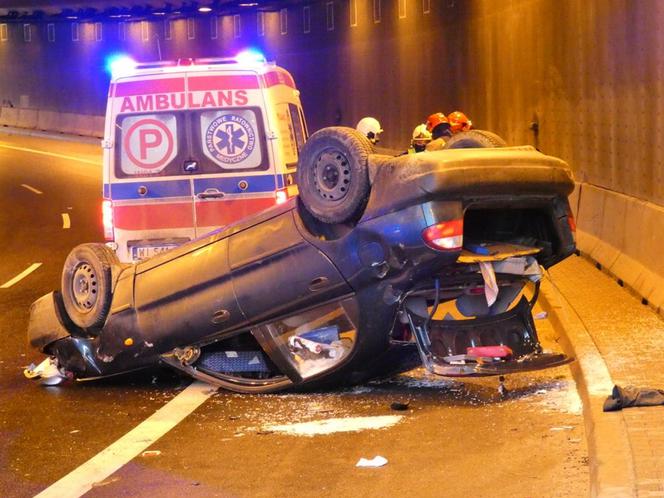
x=86 y=284
x=474 y=139
x=332 y=174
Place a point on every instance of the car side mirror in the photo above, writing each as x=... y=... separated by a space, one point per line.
x=190 y=166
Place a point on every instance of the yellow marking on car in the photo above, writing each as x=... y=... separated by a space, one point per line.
x=20 y=276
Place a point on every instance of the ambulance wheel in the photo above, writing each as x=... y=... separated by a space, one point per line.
x=86 y=284
x=474 y=139
x=333 y=175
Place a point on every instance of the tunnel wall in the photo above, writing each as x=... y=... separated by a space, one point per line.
x=589 y=73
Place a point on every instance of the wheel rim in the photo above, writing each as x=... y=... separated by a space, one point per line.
x=332 y=175
x=84 y=287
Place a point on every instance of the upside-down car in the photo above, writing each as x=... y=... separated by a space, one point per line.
x=342 y=283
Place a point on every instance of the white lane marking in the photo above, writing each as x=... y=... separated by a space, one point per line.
x=51 y=154
x=332 y=425
x=99 y=467
x=31 y=189
x=66 y=221
x=20 y=276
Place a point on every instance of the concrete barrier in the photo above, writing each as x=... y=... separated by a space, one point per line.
x=62 y=122
x=48 y=121
x=27 y=118
x=625 y=235
x=98 y=126
x=68 y=123
x=9 y=116
x=83 y=124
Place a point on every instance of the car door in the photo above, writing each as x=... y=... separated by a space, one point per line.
x=276 y=272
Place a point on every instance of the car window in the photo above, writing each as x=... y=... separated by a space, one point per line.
x=231 y=139
x=147 y=144
x=316 y=340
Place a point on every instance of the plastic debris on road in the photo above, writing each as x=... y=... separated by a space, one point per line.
x=151 y=453
x=47 y=372
x=628 y=396
x=377 y=461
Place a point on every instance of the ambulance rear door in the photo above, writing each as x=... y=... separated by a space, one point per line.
x=150 y=182
x=235 y=176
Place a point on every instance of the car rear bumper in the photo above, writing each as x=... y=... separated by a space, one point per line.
x=461 y=174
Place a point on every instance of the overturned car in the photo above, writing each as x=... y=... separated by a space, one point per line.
x=338 y=285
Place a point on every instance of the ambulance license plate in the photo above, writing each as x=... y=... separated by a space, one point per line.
x=145 y=252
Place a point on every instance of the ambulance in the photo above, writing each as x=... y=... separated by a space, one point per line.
x=194 y=145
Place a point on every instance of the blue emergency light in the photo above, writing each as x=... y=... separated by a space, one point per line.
x=120 y=65
x=250 y=56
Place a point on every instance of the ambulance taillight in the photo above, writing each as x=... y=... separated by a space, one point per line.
x=107 y=219
x=283 y=194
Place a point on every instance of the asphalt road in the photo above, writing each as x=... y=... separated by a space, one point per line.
x=454 y=439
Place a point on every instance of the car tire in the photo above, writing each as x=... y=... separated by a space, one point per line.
x=474 y=139
x=87 y=284
x=333 y=176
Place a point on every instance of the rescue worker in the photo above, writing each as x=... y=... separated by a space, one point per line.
x=421 y=137
x=370 y=128
x=439 y=127
x=459 y=122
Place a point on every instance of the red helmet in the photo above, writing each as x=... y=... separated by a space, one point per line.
x=459 y=122
x=436 y=119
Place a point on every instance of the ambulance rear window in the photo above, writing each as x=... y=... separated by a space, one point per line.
x=231 y=139
x=219 y=140
x=148 y=144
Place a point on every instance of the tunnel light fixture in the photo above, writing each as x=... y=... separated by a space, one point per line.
x=205 y=9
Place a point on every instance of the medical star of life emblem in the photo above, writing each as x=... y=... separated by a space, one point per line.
x=230 y=138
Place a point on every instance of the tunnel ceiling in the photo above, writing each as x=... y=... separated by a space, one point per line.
x=22 y=10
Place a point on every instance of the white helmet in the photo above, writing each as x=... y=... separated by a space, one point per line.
x=421 y=136
x=370 y=128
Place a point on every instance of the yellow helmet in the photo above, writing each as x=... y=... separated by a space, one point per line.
x=421 y=136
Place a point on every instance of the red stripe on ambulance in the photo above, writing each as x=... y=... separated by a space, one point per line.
x=153 y=216
x=131 y=88
x=221 y=213
x=222 y=82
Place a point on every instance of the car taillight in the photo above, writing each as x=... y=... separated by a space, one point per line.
x=444 y=236
x=572 y=223
x=107 y=219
